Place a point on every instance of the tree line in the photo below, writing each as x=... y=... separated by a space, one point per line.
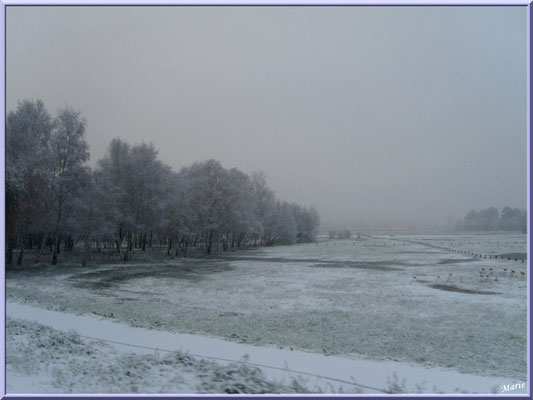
x=345 y=234
x=491 y=219
x=131 y=200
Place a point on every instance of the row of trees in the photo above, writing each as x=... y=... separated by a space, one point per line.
x=55 y=202
x=490 y=219
x=346 y=234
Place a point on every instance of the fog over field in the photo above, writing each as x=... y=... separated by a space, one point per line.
x=393 y=116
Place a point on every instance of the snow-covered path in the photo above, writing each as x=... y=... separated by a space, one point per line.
x=369 y=374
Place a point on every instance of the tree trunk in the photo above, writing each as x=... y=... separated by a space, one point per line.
x=87 y=253
x=11 y=229
x=87 y=237
x=56 y=243
x=185 y=248
x=130 y=242
x=209 y=243
x=9 y=255
x=56 y=250
x=169 y=248
x=43 y=243
x=118 y=240
x=21 y=252
x=129 y=248
x=225 y=244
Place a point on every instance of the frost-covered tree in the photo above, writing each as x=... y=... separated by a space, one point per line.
x=172 y=225
x=205 y=184
x=69 y=153
x=264 y=208
x=346 y=234
x=115 y=170
x=284 y=227
x=147 y=184
x=513 y=219
x=307 y=221
x=138 y=189
x=95 y=214
x=28 y=158
x=240 y=219
x=289 y=223
x=491 y=219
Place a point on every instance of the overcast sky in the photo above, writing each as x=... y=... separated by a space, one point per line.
x=367 y=113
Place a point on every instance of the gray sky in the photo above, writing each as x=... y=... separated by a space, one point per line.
x=367 y=113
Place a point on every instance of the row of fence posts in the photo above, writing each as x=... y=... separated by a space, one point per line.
x=475 y=255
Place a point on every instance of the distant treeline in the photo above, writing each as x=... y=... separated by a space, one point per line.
x=490 y=219
x=55 y=202
x=345 y=234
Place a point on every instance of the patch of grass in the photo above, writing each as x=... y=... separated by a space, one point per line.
x=455 y=260
x=449 y=288
x=373 y=265
x=107 y=278
x=413 y=252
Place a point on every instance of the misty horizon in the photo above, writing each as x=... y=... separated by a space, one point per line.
x=375 y=115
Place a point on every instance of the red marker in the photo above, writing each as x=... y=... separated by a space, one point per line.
x=523 y=273
x=505 y=269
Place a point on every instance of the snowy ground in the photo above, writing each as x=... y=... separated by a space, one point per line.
x=43 y=360
x=130 y=360
x=354 y=299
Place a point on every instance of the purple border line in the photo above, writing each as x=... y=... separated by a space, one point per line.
x=272 y=3
x=3 y=369
x=528 y=126
x=530 y=218
x=5 y=3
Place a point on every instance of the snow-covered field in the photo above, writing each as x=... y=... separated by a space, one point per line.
x=381 y=299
